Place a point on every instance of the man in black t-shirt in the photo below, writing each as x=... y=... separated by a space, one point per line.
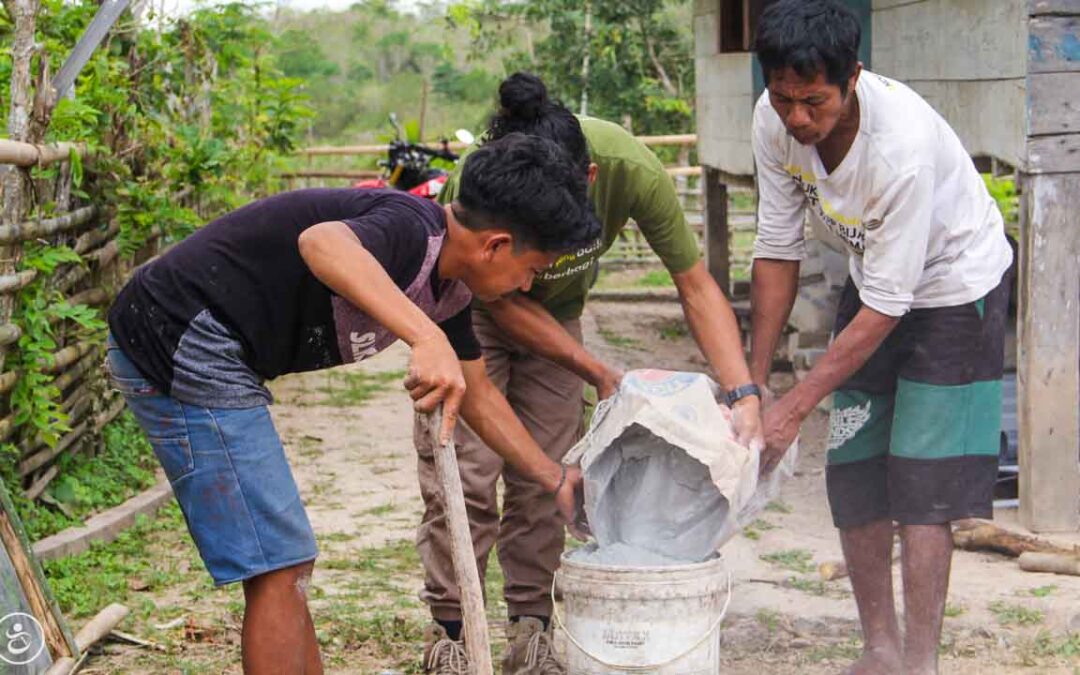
x=313 y=279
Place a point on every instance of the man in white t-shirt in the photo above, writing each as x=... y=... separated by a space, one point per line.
x=915 y=364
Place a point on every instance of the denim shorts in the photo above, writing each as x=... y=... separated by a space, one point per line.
x=230 y=476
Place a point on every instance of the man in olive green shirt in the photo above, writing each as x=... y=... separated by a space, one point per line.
x=532 y=348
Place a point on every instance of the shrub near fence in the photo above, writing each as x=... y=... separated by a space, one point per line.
x=167 y=128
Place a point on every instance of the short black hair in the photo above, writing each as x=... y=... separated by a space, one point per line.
x=529 y=186
x=809 y=36
x=524 y=106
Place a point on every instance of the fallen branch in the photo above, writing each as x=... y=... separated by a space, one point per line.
x=981 y=535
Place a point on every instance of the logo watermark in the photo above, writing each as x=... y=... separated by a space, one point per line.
x=21 y=638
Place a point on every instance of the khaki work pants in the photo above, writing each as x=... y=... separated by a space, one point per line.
x=530 y=533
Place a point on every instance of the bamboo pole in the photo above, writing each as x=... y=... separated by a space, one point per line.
x=381 y=148
x=10 y=283
x=44 y=228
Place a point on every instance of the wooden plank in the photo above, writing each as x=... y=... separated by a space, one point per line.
x=1054 y=44
x=1038 y=7
x=1053 y=106
x=717 y=235
x=1053 y=154
x=1049 y=355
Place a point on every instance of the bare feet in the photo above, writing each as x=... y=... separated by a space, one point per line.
x=877 y=662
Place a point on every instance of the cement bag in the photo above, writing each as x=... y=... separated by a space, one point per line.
x=665 y=480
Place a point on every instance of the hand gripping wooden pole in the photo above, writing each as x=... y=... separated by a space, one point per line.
x=461 y=550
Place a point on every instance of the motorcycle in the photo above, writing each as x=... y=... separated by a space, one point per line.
x=408 y=166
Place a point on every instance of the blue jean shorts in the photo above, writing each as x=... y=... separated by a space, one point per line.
x=230 y=476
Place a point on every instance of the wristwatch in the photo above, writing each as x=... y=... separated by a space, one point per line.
x=738 y=393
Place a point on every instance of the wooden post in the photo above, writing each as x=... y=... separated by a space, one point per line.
x=717 y=234
x=1049 y=289
x=1049 y=358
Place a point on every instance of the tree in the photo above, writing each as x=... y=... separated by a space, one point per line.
x=640 y=64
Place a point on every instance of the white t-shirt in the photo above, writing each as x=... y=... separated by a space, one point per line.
x=918 y=222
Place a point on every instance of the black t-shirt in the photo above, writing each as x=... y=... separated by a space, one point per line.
x=245 y=269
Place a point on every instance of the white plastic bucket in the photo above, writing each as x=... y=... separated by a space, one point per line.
x=658 y=620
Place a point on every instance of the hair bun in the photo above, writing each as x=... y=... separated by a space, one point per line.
x=522 y=96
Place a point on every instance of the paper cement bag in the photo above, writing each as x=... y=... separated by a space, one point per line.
x=665 y=480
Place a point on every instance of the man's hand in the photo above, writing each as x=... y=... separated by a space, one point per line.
x=782 y=421
x=746 y=420
x=568 y=499
x=435 y=377
x=608 y=383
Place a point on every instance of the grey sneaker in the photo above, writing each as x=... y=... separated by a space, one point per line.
x=530 y=650
x=443 y=656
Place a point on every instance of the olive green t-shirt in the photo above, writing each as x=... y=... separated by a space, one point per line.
x=630 y=184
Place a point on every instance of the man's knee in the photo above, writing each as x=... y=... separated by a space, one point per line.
x=294 y=578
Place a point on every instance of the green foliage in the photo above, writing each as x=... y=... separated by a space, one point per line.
x=641 y=61
x=183 y=120
x=1003 y=190
x=92 y=482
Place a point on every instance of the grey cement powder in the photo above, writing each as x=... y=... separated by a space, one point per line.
x=649 y=503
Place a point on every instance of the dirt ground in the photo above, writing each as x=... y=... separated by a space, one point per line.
x=349 y=436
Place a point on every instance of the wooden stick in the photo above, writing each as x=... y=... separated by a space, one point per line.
x=127 y=637
x=101 y=625
x=1054 y=563
x=461 y=550
x=61 y=666
x=980 y=535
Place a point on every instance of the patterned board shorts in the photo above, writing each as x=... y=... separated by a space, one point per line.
x=914 y=434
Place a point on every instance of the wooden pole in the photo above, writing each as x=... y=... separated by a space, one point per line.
x=1049 y=356
x=717 y=234
x=462 y=552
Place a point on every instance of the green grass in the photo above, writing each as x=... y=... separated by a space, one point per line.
x=351 y=388
x=659 y=278
x=1043 y=591
x=1009 y=614
x=616 y=340
x=84 y=583
x=674 y=329
x=778 y=506
x=952 y=611
x=753 y=530
x=795 y=559
x=768 y=618
x=381 y=510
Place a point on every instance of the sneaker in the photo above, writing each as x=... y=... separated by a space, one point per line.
x=443 y=656
x=530 y=650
